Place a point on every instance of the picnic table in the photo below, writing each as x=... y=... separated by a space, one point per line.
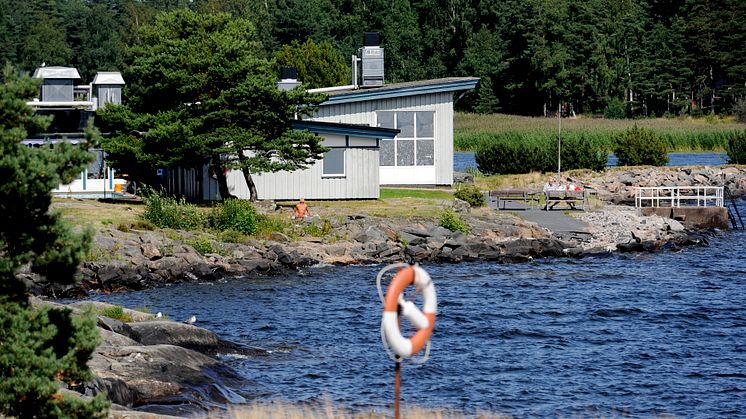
x=499 y=197
x=572 y=198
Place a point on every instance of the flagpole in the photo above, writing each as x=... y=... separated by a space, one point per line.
x=559 y=142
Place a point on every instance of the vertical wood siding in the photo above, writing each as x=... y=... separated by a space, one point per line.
x=364 y=113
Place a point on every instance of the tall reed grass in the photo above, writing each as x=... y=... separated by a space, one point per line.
x=680 y=134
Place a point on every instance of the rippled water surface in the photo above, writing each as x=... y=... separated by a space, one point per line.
x=640 y=335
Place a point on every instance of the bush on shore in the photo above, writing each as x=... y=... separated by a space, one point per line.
x=471 y=194
x=737 y=148
x=640 y=146
x=516 y=153
x=169 y=212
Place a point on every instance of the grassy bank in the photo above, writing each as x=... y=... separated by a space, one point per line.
x=681 y=134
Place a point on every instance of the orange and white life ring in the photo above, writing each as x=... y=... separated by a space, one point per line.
x=423 y=320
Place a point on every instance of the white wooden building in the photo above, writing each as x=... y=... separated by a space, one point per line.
x=349 y=170
x=422 y=153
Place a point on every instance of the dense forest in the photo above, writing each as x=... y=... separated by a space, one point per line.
x=648 y=58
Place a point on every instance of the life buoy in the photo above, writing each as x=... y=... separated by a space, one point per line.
x=423 y=320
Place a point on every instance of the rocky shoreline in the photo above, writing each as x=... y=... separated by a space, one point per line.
x=168 y=367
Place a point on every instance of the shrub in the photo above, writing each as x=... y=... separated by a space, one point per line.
x=168 y=212
x=615 y=109
x=202 y=245
x=513 y=153
x=739 y=110
x=143 y=225
x=116 y=313
x=451 y=221
x=268 y=224
x=233 y=236
x=581 y=152
x=235 y=214
x=640 y=146
x=470 y=194
x=737 y=148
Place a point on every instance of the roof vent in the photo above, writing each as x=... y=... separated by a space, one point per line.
x=372 y=58
x=288 y=78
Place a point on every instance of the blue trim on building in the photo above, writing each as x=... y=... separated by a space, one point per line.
x=395 y=92
x=345 y=130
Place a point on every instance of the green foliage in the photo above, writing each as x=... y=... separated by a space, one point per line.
x=737 y=148
x=471 y=194
x=640 y=146
x=451 y=221
x=513 y=153
x=318 y=65
x=198 y=90
x=615 y=109
x=234 y=214
x=393 y=193
x=39 y=348
x=168 y=212
x=116 y=313
x=583 y=152
x=316 y=230
x=233 y=236
x=271 y=223
x=202 y=245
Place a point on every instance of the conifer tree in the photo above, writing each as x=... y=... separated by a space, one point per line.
x=39 y=347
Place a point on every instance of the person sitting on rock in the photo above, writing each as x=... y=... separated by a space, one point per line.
x=301 y=210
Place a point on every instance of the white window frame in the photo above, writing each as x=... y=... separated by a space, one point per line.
x=414 y=138
x=344 y=164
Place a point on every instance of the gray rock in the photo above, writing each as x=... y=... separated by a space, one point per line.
x=174 y=333
x=461 y=177
x=150 y=251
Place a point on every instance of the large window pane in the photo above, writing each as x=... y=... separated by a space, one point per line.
x=386 y=153
x=405 y=122
x=425 y=124
x=334 y=162
x=385 y=119
x=405 y=153
x=425 y=150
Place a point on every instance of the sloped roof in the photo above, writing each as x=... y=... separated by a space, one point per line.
x=393 y=90
x=345 y=129
x=108 y=77
x=56 y=72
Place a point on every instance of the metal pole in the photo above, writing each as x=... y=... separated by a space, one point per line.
x=397 y=385
x=559 y=142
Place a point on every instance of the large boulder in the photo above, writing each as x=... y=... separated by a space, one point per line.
x=163 y=379
x=174 y=333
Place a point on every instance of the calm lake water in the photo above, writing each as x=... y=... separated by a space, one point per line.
x=626 y=335
x=462 y=160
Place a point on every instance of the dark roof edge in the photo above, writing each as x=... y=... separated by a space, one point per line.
x=345 y=129
x=407 y=89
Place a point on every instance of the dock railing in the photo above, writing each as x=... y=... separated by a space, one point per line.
x=678 y=196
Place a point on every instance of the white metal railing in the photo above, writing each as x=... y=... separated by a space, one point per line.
x=677 y=196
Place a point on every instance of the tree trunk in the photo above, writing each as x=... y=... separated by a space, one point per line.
x=253 y=195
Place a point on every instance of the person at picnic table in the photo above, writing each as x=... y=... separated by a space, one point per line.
x=301 y=210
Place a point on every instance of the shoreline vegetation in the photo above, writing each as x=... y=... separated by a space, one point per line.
x=681 y=134
x=130 y=253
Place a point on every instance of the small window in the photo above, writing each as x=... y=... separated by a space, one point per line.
x=334 y=163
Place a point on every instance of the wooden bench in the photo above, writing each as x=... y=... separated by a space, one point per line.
x=502 y=196
x=573 y=199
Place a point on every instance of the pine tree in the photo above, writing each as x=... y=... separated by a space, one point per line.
x=39 y=348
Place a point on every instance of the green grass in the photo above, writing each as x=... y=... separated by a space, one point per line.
x=392 y=193
x=680 y=134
